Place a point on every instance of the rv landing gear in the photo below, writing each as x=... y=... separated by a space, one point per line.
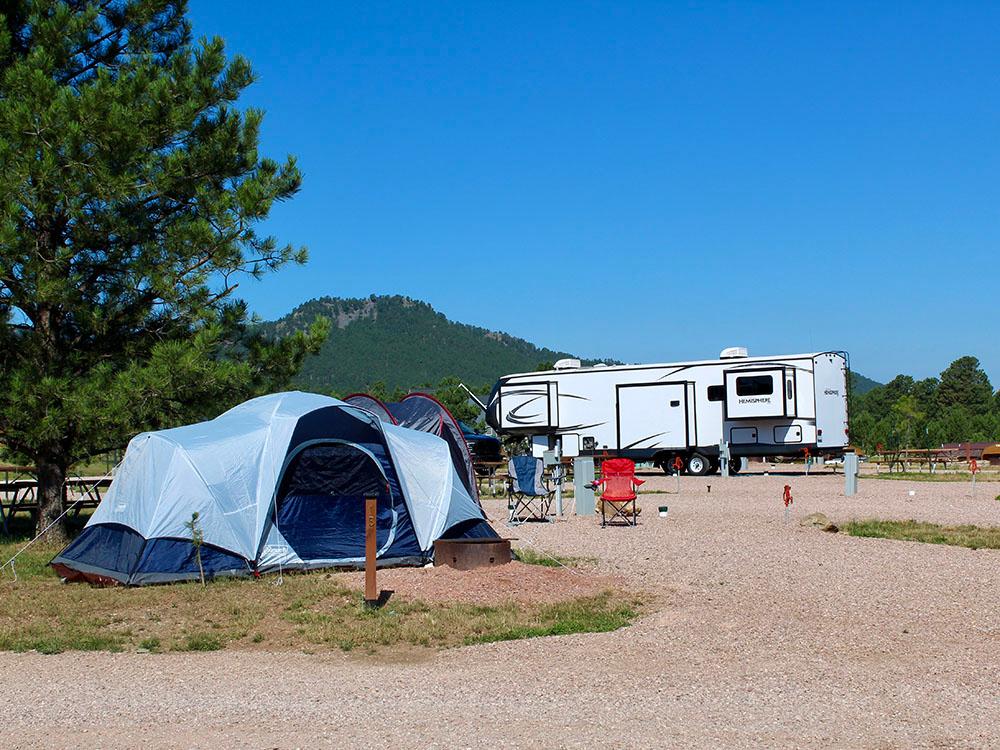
x=666 y=462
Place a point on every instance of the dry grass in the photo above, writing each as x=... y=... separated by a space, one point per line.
x=308 y=612
x=973 y=537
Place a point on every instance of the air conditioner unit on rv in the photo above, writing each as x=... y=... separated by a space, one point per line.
x=567 y=364
x=733 y=352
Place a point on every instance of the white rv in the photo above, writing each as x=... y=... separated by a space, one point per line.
x=761 y=406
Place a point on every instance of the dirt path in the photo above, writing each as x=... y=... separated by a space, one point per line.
x=769 y=635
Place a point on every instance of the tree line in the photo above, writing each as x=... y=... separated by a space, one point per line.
x=958 y=406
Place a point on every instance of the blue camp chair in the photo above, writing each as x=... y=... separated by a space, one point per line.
x=528 y=494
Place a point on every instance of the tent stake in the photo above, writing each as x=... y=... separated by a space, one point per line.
x=371 y=589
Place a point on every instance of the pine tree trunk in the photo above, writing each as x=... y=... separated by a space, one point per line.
x=51 y=482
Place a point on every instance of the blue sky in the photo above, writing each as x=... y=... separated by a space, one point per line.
x=645 y=181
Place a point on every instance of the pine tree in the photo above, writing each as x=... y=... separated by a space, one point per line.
x=130 y=188
x=966 y=384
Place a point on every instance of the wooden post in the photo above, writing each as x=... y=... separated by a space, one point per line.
x=371 y=589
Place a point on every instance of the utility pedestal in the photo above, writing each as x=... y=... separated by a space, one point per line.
x=553 y=458
x=850 y=473
x=583 y=475
x=724 y=458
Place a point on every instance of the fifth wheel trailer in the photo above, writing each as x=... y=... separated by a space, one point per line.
x=760 y=406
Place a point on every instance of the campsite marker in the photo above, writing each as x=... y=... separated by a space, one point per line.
x=371 y=589
x=974 y=469
x=808 y=459
x=787 y=497
x=678 y=465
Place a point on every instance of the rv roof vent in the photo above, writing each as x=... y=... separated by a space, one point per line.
x=733 y=352
x=567 y=364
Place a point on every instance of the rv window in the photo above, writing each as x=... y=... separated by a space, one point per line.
x=716 y=393
x=755 y=385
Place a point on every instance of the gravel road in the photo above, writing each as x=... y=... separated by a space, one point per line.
x=767 y=635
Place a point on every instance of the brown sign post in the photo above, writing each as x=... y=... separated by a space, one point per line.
x=371 y=589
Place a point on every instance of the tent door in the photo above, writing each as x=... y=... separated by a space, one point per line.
x=320 y=506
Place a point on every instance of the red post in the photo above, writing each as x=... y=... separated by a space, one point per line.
x=371 y=589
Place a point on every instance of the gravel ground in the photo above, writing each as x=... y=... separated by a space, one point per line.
x=768 y=635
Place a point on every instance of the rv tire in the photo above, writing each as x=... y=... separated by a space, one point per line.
x=697 y=465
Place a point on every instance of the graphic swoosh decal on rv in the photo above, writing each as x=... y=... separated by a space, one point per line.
x=581 y=426
x=524 y=419
x=643 y=440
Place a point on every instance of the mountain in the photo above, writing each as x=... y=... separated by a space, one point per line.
x=403 y=343
x=860 y=385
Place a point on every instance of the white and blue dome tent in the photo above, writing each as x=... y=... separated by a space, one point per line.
x=277 y=482
x=421 y=411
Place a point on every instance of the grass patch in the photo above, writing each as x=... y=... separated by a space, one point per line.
x=533 y=557
x=937 y=476
x=310 y=612
x=200 y=642
x=973 y=537
x=597 y=614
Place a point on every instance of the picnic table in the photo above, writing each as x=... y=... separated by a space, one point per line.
x=901 y=458
x=19 y=493
x=487 y=471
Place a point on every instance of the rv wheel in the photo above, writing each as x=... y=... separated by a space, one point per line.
x=697 y=465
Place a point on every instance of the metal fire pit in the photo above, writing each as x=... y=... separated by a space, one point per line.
x=466 y=554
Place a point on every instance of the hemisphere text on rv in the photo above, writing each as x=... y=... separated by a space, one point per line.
x=761 y=406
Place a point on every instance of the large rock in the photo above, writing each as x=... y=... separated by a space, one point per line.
x=819 y=521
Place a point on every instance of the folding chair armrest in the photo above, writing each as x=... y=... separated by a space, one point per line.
x=637 y=481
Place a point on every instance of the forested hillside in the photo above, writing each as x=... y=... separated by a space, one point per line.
x=860 y=385
x=402 y=343
x=393 y=343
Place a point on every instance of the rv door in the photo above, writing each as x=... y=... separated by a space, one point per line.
x=652 y=416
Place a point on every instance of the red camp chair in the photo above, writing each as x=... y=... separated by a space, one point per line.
x=619 y=482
